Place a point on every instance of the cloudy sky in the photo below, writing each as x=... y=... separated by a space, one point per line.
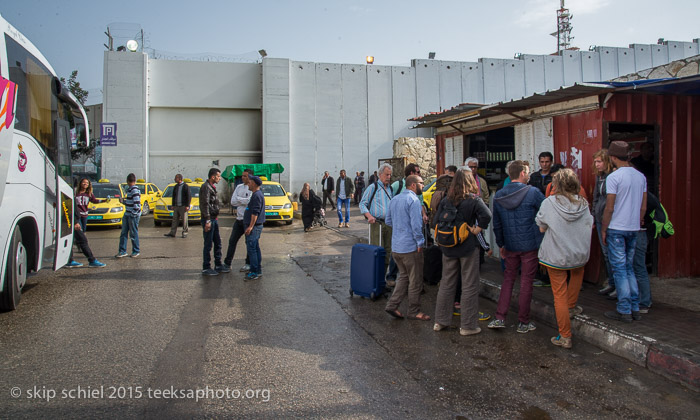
x=71 y=32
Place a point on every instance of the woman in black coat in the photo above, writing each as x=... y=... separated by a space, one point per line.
x=308 y=204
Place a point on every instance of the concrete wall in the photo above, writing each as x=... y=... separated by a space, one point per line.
x=312 y=117
x=125 y=102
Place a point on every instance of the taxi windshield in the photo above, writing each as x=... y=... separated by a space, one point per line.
x=194 y=191
x=430 y=184
x=102 y=191
x=272 y=190
x=141 y=187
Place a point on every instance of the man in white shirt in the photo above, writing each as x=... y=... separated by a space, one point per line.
x=239 y=199
x=624 y=213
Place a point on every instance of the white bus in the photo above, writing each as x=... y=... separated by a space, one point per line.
x=38 y=118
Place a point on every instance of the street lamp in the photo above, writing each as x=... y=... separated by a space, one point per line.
x=370 y=59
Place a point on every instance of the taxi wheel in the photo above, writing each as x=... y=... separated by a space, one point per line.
x=156 y=222
x=145 y=210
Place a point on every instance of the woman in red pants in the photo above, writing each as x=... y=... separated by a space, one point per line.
x=566 y=222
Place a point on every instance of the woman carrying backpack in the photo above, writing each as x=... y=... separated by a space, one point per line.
x=566 y=222
x=462 y=256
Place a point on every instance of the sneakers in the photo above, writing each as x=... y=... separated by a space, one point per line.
x=484 y=317
x=135 y=254
x=253 y=276
x=245 y=269
x=497 y=323
x=605 y=290
x=463 y=331
x=644 y=310
x=612 y=295
x=438 y=327
x=121 y=255
x=540 y=283
x=576 y=310
x=224 y=268
x=169 y=234
x=74 y=264
x=562 y=341
x=340 y=225
x=456 y=311
x=184 y=235
x=96 y=264
x=618 y=316
x=525 y=328
x=347 y=225
x=636 y=316
x=210 y=272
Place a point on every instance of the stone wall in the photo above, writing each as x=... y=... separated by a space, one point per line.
x=418 y=150
x=680 y=68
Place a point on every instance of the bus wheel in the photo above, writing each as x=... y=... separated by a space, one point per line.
x=145 y=210
x=15 y=273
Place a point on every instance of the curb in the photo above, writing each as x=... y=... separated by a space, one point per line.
x=679 y=366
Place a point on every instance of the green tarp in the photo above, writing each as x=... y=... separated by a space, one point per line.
x=259 y=169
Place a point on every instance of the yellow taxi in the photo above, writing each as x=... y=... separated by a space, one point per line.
x=278 y=202
x=428 y=190
x=163 y=212
x=150 y=194
x=109 y=213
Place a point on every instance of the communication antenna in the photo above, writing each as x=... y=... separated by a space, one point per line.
x=110 y=41
x=564 y=27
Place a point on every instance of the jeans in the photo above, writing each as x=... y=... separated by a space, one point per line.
x=528 y=263
x=236 y=233
x=343 y=202
x=130 y=227
x=604 y=248
x=621 y=250
x=211 y=238
x=82 y=221
x=640 y=269
x=253 y=246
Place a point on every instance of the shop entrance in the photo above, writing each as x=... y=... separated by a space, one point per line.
x=493 y=149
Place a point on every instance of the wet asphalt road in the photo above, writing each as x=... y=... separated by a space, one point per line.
x=292 y=344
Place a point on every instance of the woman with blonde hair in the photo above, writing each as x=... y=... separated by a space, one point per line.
x=566 y=222
x=602 y=167
x=308 y=200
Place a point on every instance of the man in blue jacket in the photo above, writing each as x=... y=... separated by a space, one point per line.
x=519 y=238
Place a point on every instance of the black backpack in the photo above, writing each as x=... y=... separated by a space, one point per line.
x=450 y=229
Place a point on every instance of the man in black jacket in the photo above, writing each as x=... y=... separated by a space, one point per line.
x=327 y=186
x=181 y=205
x=209 y=206
x=540 y=179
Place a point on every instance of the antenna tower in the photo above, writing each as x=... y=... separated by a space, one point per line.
x=564 y=27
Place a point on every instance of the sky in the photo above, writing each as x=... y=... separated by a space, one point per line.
x=70 y=33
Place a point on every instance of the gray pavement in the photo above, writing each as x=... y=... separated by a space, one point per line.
x=294 y=340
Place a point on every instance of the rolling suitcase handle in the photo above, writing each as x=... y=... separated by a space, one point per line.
x=369 y=232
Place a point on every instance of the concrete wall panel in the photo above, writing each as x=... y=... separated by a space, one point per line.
x=192 y=84
x=493 y=71
x=403 y=101
x=355 y=118
x=608 y=63
x=534 y=73
x=642 y=56
x=553 y=72
x=379 y=117
x=590 y=66
x=427 y=86
x=329 y=117
x=675 y=50
x=472 y=83
x=572 y=67
x=514 y=79
x=276 y=119
x=659 y=55
x=450 y=73
x=303 y=126
x=625 y=61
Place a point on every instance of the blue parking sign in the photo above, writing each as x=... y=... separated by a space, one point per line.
x=108 y=134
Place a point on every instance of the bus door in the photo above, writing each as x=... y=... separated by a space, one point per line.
x=64 y=207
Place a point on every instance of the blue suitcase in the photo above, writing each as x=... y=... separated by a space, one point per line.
x=367 y=270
